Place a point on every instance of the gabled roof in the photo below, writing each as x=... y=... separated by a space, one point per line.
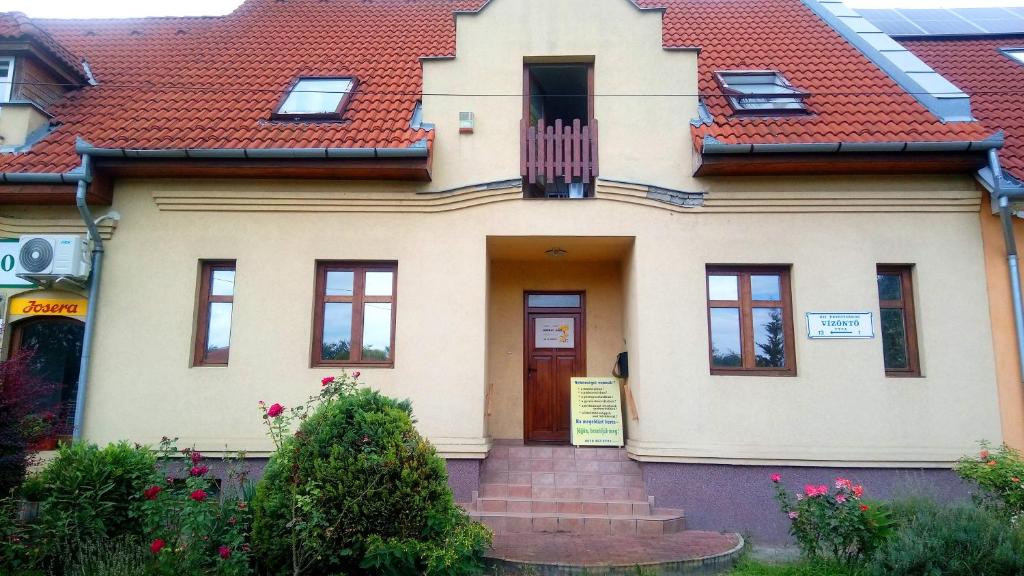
x=994 y=80
x=213 y=82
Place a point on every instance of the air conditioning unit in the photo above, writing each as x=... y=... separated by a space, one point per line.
x=44 y=259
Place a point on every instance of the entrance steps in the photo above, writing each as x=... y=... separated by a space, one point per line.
x=567 y=490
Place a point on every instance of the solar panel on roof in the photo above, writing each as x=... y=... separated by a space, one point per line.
x=890 y=22
x=993 y=20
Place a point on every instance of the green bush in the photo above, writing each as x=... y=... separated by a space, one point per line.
x=356 y=488
x=960 y=540
x=92 y=494
x=1000 y=475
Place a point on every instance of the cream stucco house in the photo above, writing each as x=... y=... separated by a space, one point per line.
x=769 y=207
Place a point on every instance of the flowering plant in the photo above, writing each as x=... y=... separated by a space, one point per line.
x=1000 y=474
x=833 y=521
x=188 y=529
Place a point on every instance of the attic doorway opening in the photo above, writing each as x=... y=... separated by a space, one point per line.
x=559 y=129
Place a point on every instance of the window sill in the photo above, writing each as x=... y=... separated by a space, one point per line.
x=751 y=372
x=904 y=375
x=388 y=365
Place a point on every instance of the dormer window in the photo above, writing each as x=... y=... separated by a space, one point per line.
x=6 y=77
x=316 y=98
x=764 y=92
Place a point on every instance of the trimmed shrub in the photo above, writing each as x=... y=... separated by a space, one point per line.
x=958 y=540
x=356 y=488
x=92 y=494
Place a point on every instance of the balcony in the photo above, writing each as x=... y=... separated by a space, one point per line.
x=559 y=160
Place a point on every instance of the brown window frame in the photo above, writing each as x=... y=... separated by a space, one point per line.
x=337 y=116
x=206 y=270
x=746 y=306
x=906 y=304
x=358 y=299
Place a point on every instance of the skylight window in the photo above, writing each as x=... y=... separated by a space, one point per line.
x=317 y=97
x=761 y=92
x=1015 y=53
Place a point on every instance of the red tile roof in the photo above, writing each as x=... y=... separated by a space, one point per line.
x=212 y=82
x=17 y=26
x=994 y=81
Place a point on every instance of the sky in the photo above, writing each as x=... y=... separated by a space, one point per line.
x=136 y=8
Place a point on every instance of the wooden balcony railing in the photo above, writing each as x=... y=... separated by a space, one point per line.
x=555 y=151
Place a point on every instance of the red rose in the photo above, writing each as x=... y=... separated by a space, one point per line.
x=275 y=410
x=157 y=546
x=326 y=381
x=199 y=470
x=151 y=492
x=224 y=552
x=198 y=495
x=864 y=507
x=984 y=454
x=776 y=478
x=196 y=457
x=356 y=374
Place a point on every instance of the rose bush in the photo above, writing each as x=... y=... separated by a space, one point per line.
x=833 y=522
x=1000 y=475
x=188 y=530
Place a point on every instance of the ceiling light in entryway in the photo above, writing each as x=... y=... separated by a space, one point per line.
x=556 y=253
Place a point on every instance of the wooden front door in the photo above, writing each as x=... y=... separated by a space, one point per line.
x=555 y=352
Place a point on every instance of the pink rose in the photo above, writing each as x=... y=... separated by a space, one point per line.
x=776 y=478
x=356 y=374
x=840 y=498
x=275 y=410
x=224 y=552
x=794 y=515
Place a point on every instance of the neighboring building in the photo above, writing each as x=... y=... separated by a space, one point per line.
x=981 y=50
x=306 y=186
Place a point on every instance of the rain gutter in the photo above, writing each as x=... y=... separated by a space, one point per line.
x=1003 y=197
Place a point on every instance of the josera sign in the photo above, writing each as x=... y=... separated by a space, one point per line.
x=35 y=306
x=596 y=412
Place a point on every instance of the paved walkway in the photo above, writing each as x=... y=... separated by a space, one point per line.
x=580 y=550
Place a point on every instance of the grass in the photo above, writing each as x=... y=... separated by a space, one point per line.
x=748 y=567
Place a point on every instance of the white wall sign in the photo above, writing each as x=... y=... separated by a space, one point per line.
x=8 y=258
x=840 y=325
x=555 y=333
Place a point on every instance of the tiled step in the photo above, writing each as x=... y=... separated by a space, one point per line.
x=550 y=506
x=566 y=479
x=504 y=490
x=661 y=521
x=561 y=465
x=558 y=453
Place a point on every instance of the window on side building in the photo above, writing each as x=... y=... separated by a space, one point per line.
x=316 y=99
x=899 y=328
x=354 y=318
x=216 y=302
x=6 y=77
x=761 y=92
x=750 y=320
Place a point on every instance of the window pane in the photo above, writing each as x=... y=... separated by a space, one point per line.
x=218 y=336
x=379 y=283
x=890 y=287
x=765 y=288
x=769 y=338
x=339 y=283
x=377 y=331
x=894 y=339
x=554 y=301
x=337 y=341
x=316 y=96
x=223 y=283
x=723 y=288
x=725 y=338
